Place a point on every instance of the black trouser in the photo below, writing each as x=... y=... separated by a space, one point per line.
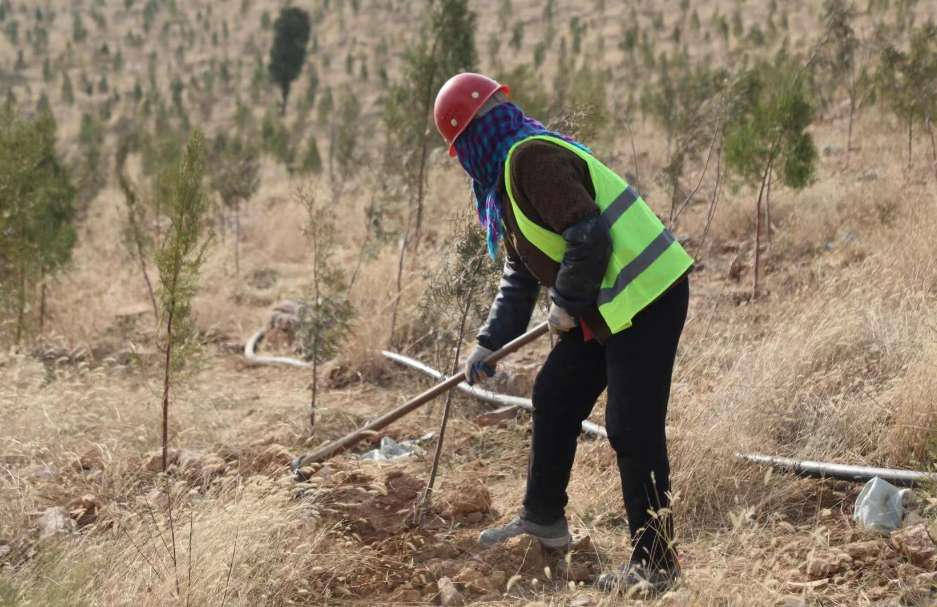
x=636 y=366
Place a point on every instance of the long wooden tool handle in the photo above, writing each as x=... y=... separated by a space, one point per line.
x=390 y=417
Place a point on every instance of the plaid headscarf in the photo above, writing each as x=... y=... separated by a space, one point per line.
x=482 y=148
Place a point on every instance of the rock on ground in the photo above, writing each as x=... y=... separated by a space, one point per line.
x=84 y=509
x=467 y=498
x=916 y=545
x=449 y=595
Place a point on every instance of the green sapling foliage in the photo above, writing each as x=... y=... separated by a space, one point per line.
x=37 y=214
x=766 y=137
x=326 y=316
x=179 y=259
x=288 y=53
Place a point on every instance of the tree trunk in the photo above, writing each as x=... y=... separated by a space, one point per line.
x=42 y=303
x=852 y=113
x=314 y=389
x=362 y=249
x=756 y=265
x=146 y=279
x=768 y=206
x=317 y=327
x=427 y=496
x=711 y=211
x=634 y=155
x=237 y=239
x=166 y=378
x=21 y=305
x=420 y=193
x=933 y=144
x=910 y=134
x=756 y=262
x=400 y=265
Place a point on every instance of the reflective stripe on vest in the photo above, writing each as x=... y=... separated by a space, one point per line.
x=645 y=259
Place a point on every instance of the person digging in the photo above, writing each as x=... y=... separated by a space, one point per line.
x=619 y=292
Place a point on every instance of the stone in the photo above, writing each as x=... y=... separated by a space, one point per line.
x=449 y=595
x=84 y=509
x=872 y=549
x=90 y=459
x=915 y=544
x=473 y=579
x=467 y=497
x=54 y=521
x=582 y=600
x=824 y=565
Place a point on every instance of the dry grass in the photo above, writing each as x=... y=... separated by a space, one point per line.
x=835 y=362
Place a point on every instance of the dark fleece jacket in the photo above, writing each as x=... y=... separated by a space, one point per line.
x=553 y=188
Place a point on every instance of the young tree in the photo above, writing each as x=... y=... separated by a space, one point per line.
x=179 y=260
x=288 y=53
x=462 y=287
x=766 y=137
x=68 y=92
x=327 y=313
x=344 y=146
x=312 y=161
x=445 y=48
x=137 y=238
x=908 y=81
x=37 y=211
x=841 y=61
x=680 y=102
x=236 y=177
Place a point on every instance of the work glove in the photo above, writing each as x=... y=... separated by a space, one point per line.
x=560 y=320
x=475 y=367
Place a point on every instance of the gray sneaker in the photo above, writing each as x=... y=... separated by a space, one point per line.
x=555 y=535
x=637 y=582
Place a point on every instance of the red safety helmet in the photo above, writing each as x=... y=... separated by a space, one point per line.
x=459 y=100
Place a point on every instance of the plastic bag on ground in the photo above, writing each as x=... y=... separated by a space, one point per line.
x=391 y=449
x=880 y=506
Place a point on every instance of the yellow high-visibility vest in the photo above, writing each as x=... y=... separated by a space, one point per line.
x=646 y=259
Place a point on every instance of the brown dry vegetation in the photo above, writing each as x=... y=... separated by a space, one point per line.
x=836 y=361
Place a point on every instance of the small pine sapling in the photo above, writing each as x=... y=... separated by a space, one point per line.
x=767 y=136
x=447 y=47
x=179 y=259
x=37 y=211
x=841 y=60
x=681 y=102
x=908 y=80
x=327 y=314
x=461 y=288
x=236 y=178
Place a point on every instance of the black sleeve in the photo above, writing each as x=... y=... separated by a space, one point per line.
x=511 y=310
x=588 y=246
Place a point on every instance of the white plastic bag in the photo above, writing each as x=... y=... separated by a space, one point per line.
x=880 y=506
